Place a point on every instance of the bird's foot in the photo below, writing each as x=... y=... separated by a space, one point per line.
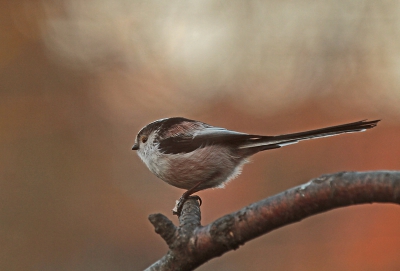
x=179 y=203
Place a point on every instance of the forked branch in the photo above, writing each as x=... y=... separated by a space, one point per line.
x=191 y=244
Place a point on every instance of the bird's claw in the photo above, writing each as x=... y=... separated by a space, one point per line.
x=179 y=204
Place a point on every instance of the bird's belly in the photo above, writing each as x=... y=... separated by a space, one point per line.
x=210 y=165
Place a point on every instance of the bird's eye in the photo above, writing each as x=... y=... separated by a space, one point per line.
x=144 y=139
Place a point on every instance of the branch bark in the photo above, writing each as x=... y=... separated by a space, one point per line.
x=191 y=244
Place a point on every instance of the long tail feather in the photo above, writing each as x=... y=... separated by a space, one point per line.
x=272 y=142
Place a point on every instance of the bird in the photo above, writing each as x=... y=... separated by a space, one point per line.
x=194 y=155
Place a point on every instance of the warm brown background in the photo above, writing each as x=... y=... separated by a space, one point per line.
x=78 y=79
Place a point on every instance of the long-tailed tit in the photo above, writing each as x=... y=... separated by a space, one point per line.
x=193 y=155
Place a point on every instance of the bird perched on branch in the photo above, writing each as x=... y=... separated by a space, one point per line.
x=193 y=155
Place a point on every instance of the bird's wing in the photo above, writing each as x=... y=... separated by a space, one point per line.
x=184 y=143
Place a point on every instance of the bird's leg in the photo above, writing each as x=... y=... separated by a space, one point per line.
x=179 y=203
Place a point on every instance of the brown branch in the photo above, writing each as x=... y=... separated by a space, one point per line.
x=192 y=245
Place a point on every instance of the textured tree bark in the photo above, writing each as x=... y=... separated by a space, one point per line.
x=191 y=244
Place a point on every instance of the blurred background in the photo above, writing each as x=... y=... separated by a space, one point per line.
x=79 y=79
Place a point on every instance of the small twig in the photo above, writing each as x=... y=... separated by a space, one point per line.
x=192 y=245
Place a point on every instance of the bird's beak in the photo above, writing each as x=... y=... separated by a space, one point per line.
x=135 y=147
